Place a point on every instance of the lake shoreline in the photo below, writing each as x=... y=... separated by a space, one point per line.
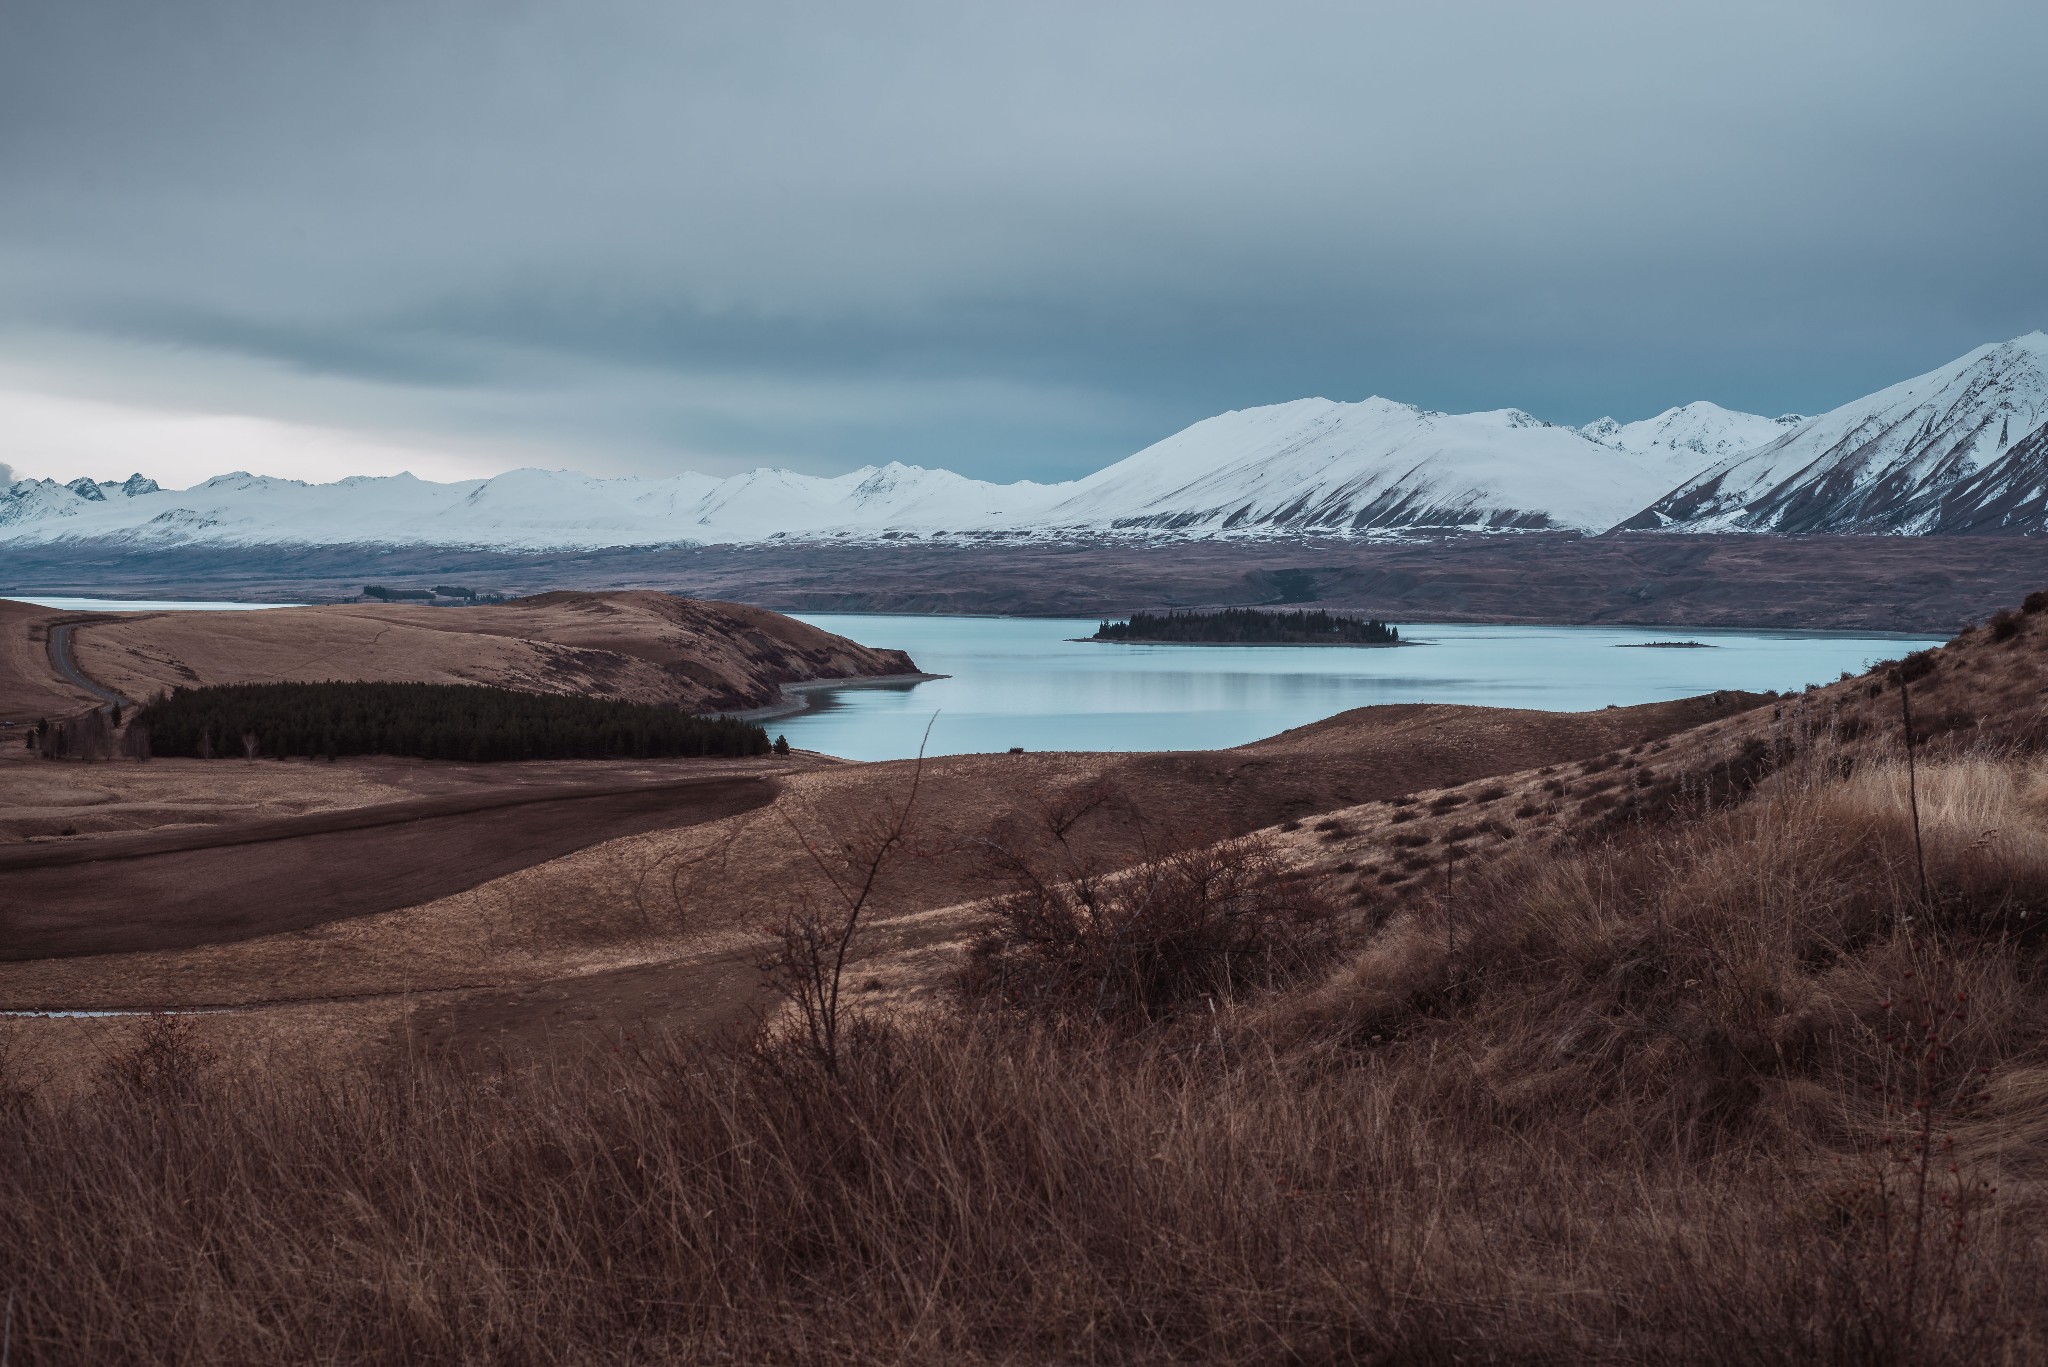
x=796 y=694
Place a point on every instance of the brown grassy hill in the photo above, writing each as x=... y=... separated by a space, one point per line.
x=668 y=894
x=1986 y=691
x=641 y=646
x=29 y=688
x=1714 y=1052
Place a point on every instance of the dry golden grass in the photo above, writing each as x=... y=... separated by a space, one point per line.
x=1721 y=1090
x=1703 y=1057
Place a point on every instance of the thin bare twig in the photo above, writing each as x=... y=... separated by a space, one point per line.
x=1913 y=787
x=810 y=967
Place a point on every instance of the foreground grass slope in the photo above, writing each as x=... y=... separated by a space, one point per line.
x=1725 y=1063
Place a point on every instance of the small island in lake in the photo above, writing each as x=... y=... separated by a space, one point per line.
x=1249 y=627
x=1664 y=645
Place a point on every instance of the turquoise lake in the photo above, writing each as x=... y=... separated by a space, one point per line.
x=1021 y=681
x=1027 y=681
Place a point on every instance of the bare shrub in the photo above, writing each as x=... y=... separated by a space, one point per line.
x=166 y=1062
x=814 y=940
x=1137 y=945
x=666 y=889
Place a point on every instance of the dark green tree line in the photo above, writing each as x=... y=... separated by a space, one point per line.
x=430 y=721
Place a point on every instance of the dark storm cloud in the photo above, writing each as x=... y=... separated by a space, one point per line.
x=1017 y=240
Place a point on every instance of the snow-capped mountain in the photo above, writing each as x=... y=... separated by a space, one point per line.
x=34 y=500
x=1962 y=448
x=1686 y=437
x=1914 y=458
x=518 y=510
x=1310 y=466
x=1317 y=466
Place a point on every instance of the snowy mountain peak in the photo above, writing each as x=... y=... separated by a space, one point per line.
x=1685 y=438
x=242 y=479
x=1910 y=458
x=1348 y=469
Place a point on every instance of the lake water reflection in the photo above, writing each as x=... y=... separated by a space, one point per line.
x=1026 y=681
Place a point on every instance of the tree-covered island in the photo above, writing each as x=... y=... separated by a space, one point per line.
x=1250 y=627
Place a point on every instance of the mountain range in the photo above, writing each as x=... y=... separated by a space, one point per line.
x=1961 y=449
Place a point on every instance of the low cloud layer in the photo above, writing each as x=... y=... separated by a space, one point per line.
x=1021 y=242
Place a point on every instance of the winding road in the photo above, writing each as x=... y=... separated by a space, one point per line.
x=67 y=667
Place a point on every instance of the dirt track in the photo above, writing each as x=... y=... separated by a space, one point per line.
x=177 y=889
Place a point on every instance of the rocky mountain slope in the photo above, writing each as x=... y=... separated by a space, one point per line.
x=1956 y=450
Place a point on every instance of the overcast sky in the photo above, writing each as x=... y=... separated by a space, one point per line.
x=1019 y=240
